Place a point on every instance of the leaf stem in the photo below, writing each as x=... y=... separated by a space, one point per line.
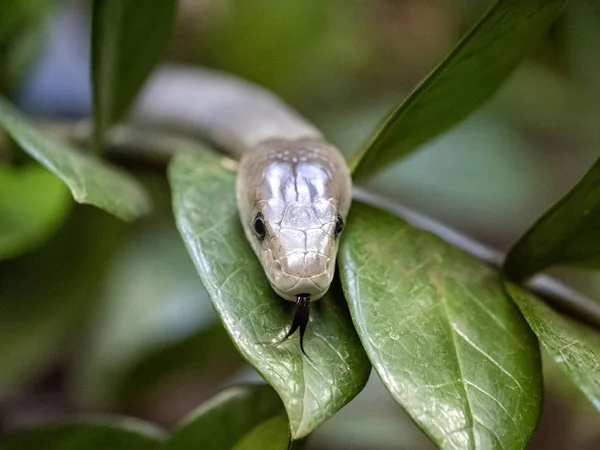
x=560 y=296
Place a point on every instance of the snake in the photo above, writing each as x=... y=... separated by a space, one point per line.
x=254 y=125
x=293 y=188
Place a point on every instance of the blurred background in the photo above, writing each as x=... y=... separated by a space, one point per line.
x=106 y=317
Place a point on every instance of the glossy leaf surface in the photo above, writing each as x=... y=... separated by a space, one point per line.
x=574 y=346
x=445 y=339
x=255 y=317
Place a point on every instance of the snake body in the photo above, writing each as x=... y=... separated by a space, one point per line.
x=293 y=188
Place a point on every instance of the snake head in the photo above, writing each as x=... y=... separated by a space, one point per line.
x=299 y=249
x=293 y=198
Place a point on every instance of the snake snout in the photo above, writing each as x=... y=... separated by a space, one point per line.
x=304 y=273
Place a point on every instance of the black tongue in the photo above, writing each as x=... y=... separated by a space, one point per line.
x=300 y=320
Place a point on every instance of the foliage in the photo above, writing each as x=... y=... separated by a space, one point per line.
x=565 y=235
x=243 y=417
x=119 y=64
x=125 y=434
x=467 y=77
x=482 y=385
x=312 y=390
x=575 y=347
x=452 y=340
x=90 y=180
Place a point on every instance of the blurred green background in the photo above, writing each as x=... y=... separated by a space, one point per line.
x=107 y=317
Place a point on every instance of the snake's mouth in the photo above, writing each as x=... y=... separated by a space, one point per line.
x=300 y=319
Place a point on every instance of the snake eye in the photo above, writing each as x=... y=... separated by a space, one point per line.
x=339 y=225
x=259 y=226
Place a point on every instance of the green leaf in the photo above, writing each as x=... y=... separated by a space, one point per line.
x=567 y=234
x=255 y=317
x=113 y=434
x=239 y=418
x=90 y=180
x=127 y=40
x=572 y=345
x=445 y=339
x=33 y=204
x=462 y=82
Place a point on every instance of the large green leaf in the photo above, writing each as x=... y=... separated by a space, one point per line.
x=572 y=345
x=242 y=418
x=567 y=234
x=447 y=342
x=311 y=390
x=461 y=83
x=127 y=40
x=113 y=434
x=33 y=204
x=90 y=180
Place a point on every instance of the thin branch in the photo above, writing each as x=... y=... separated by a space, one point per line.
x=562 y=297
x=142 y=148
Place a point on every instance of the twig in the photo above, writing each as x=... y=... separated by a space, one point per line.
x=562 y=297
x=135 y=146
